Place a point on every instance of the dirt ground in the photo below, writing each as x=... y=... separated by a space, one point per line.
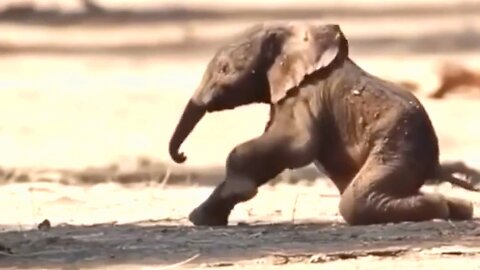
x=111 y=226
x=87 y=109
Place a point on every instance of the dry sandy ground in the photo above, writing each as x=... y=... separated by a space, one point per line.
x=144 y=226
x=93 y=106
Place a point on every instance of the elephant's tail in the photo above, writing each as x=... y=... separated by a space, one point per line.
x=459 y=174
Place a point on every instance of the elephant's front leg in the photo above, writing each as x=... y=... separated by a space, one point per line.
x=251 y=164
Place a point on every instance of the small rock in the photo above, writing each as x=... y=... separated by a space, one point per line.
x=318 y=258
x=44 y=225
x=5 y=249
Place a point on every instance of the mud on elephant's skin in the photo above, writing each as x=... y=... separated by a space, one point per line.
x=374 y=139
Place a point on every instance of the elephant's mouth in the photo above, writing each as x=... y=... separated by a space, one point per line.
x=217 y=106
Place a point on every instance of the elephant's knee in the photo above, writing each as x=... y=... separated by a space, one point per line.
x=353 y=209
x=255 y=160
x=239 y=188
x=242 y=174
x=352 y=216
x=347 y=212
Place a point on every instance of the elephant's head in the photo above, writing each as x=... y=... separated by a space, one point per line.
x=261 y=65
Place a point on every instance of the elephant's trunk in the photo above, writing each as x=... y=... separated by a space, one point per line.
x=192 y=114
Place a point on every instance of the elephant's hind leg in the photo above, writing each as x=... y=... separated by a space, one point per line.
x=383 y=208
x=383 y=194
x=250 y=165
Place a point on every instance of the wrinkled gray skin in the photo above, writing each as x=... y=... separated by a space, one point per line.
x=374 y=140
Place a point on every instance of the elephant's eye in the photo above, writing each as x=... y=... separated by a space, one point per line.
x=224 y=68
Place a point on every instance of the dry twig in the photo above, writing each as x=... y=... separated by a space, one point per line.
x=168 y=171
x=294 y=209
x=181 y=263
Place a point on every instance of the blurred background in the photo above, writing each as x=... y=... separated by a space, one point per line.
x=90 y=90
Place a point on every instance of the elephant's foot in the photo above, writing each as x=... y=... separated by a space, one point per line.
x=459 y=209
x=200 y=217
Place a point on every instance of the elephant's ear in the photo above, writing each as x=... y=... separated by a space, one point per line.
x=305 y=49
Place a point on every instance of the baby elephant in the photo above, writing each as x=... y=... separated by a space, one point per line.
x=374 y=139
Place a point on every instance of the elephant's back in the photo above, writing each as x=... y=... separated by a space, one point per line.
x=368 y=114
x=404 y=128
